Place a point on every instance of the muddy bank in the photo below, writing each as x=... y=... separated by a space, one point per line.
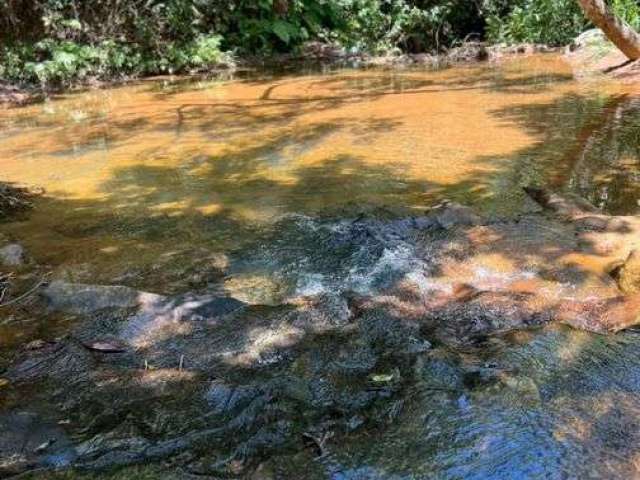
x=13 y=95
x=370 y=308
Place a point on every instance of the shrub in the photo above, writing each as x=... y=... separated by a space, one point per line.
x=62 y=62
x=60 y=41
x=414 y=26
x=629 y=10
x=553 y=22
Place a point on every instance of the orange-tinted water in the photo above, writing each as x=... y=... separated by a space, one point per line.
x=141 y=171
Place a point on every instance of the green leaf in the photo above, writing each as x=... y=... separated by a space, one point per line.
x=282 y=29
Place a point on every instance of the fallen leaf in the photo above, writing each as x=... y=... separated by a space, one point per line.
x=105 y=347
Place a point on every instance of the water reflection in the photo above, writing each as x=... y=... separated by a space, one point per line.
x=253 y=149
x=607 y=170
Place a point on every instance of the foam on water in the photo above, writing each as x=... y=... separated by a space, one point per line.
x=310 y=257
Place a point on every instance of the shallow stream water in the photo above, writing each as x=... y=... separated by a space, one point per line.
x=174 y=186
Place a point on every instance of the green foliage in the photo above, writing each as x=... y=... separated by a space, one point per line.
x=62 y=62
x=265 y=26
x=56 y=42
x=629 y=10
x=205 y=51
x=552 y=22
x=415 y=26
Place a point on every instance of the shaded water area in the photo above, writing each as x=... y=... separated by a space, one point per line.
x=278 y=202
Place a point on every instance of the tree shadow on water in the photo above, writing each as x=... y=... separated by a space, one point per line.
x=254 y=383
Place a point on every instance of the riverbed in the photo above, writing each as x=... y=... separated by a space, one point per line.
x=275 y=188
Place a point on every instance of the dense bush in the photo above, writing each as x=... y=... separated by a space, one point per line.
x=52 y=62
x=409 y=25
x=59 y=41
x=553 y=22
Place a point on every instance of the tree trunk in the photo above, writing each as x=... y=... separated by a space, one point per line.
x=616 y=29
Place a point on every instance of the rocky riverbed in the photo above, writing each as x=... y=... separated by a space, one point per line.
x=218 y=382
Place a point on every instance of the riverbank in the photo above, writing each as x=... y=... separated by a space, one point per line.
x=313 y=54
x=592 y=54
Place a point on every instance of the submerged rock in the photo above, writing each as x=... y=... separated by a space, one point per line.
x=224 y=399
x=602 y=315
x=484 y=314
x=629 y=274
x=63 y=360
x=211 y=306
x=12 y=255
x=83 y=299
x=158 y=376
x=28 y=441
x=610 y=237
x=450 y=215
x=322 y=313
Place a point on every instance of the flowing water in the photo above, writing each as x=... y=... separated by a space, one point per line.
x=241 y=185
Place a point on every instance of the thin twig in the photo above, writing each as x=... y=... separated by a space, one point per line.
x=5 y=280
x=31 y=291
